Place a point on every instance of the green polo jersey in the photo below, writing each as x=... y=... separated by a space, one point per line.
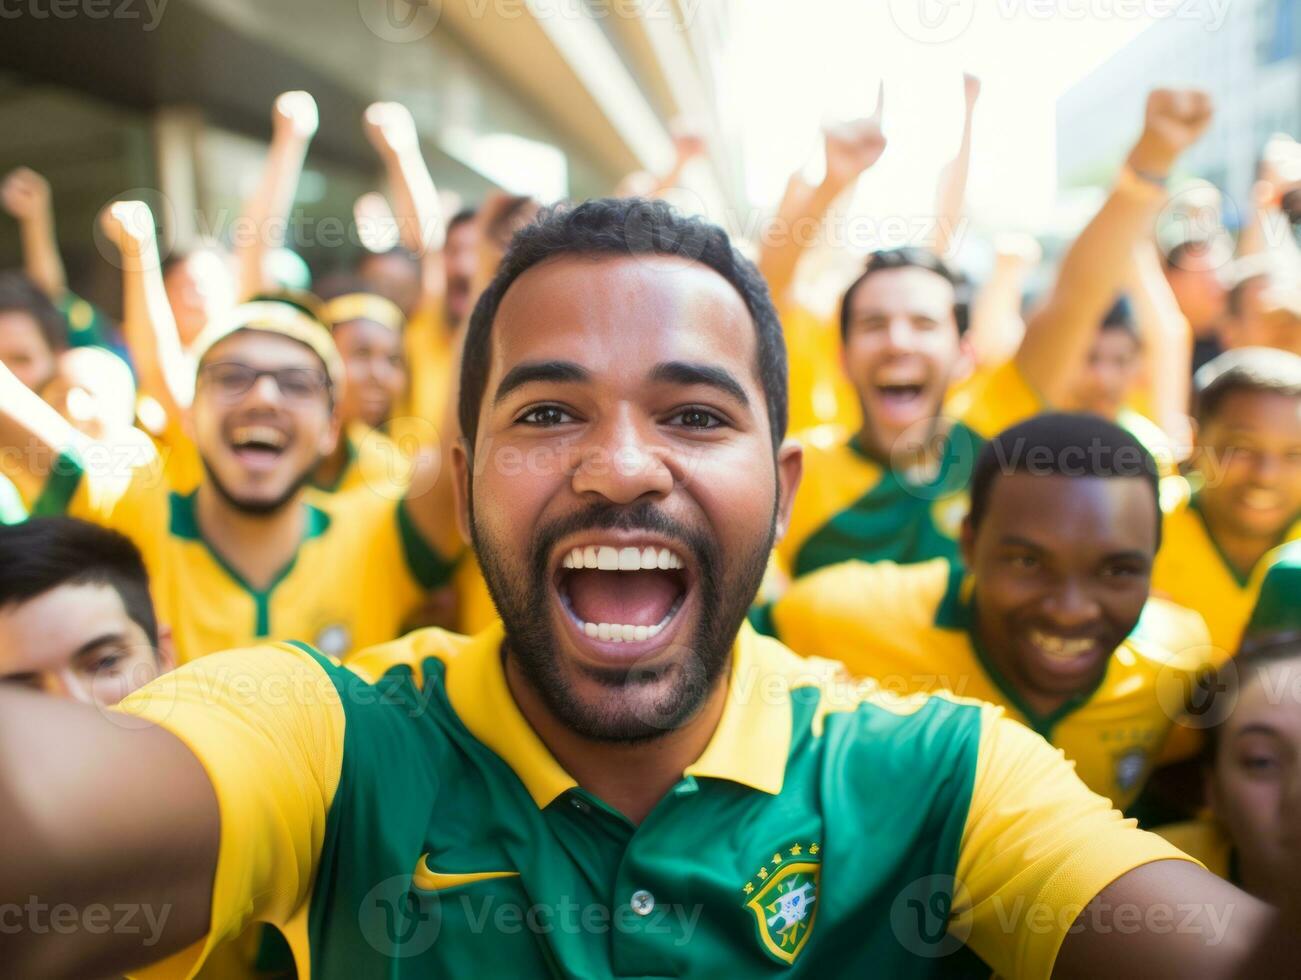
x=400 y=818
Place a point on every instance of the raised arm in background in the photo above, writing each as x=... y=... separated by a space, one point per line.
x=266 y=214
x=1167 y=345
x=952 y=192
x=851 y=148
x=997 y=327
x=26 y=196
x=32 y=433
x=687 y=145
x=392 y=132
x=163 y=369
x=1059 y=334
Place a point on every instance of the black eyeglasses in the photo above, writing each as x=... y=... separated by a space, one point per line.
x=230 y=381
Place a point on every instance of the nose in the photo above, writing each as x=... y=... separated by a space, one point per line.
x=1071 y=605
x=265 y=391
x=622 y=461
x=1266 y=469
x=898 y=333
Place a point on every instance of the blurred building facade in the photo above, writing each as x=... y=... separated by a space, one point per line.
x=551 y=97
x=1246 y=53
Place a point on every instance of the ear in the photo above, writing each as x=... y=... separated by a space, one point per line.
x=330 y=435
x=166 y=649
x=461 y=463
x=790 y=470
x=967 y=542
x=965 y=366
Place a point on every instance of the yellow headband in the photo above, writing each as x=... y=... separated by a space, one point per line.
x=269 y=316
x=363 y=306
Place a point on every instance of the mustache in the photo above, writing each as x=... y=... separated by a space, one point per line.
x=619 y=517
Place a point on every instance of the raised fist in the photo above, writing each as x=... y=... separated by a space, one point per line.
x=25 y=194
x=294 y=113
x=128 y=224
x=854 y=146
x=1176 y=118
x=390 y=128
x=970 y=89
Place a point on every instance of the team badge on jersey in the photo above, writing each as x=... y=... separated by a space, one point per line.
x=1130 y=766
x=333 y=641
x=783 y=896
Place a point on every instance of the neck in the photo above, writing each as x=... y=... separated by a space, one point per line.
x=922 y=452
x=331 y=467
x=257 y=546
x=632 y=778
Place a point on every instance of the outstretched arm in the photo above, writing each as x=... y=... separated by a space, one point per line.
x=392 y=132
x=996 y=325
x=1167 y=342
x=293 y=124
x=1092 y=274
x=33 y=434
x=687 y=146
x=163 y=368
x=953 y=178
x=852 y=149
x=26 y=196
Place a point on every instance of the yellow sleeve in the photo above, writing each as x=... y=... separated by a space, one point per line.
x=1038 y=846
x=267 y=724
x=1002 y=398
x=113 y=487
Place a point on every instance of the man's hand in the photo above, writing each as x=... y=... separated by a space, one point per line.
x=854 y=146
x=129 y=225
x=294 y=114
x=390 y=128
x=970 y=90
x=25 y=194
x=1175 y=119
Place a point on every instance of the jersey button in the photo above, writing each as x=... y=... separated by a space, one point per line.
x=643 y=902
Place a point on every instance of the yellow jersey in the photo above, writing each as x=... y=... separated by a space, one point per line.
x=373 y=462
x=1205 y=840
x=360 y=570
x=1192 y=571
x=911 y=628
x=819 y=392
x=429 y=345
x=410 y=780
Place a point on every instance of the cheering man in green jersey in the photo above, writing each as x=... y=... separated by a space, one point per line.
x=620 y=779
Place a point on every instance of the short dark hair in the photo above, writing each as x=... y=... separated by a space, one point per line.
x=1252 y=369
x=1120 y=318
x=44 y=553
x=911 y=257
x=622 y=227
x=1062 y=444
x=20 y=294
x=463 y=216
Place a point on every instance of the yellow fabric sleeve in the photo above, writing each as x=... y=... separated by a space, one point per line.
x=1003 y=397
x=267 y=724
x=1038 y=846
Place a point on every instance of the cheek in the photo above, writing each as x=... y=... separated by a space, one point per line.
x=736 y=491
x=1249 y=805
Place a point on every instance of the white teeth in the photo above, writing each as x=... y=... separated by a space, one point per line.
x=629 y=633
x=603 y=631
x=591 y=629
x=625 y=559
x=641 y=633
x=1059 y=646
x=621 y=632
x=258 y=433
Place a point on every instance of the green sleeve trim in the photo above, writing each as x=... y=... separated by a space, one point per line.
x=761 y=618
x=60 y=486
x=426 y=565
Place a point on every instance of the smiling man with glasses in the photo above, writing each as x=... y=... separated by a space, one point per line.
x=245 y=556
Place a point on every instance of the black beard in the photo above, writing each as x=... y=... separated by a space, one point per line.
x=257 y=508
x=525 y=608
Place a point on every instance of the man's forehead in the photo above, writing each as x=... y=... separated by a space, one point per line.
x=625 y=314
x=263 y=347
x=912 y=285
x=52 y=626
x=1059 y=503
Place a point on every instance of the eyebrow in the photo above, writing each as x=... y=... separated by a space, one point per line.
x=531 y=372
x=1131 y=555
x=90 y=646
x=691 y=373
x=1255 y=728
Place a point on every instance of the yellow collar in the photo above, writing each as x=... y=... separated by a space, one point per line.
x=750 y=745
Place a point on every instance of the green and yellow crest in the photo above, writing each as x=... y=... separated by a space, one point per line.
x=783 y=896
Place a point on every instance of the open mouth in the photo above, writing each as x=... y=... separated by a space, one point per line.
x=1260 y=500
x=258 y=446
x=619 y=593
x=1064 y=650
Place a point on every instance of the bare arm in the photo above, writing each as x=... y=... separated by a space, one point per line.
x=1167 y=341
x=687 y=146
x=996 y=325
x=293 y=124
x=392 y=132
x=163 y=368
x=34 y=431
x=953 y=178
x=26 y=196
x=852 y=149
x=1171 y=919
x=1059 y=334
x=100 y=813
